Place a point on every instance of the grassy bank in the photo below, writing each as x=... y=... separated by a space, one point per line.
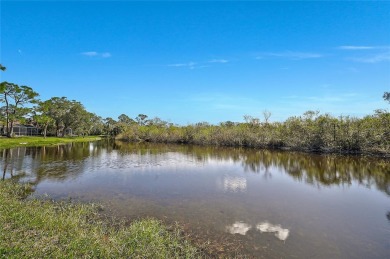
x=38 y=229
x=41 y=141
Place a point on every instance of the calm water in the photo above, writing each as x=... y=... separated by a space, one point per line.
x=259 y=203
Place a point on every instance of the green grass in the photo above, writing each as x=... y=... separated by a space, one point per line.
x=32 y=228
x=41 y=141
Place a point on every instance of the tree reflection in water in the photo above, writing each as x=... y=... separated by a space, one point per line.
x=314 y=169
x=35 y=164
x=66 y=161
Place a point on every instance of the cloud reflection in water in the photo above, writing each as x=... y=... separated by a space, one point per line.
x=281 y=233
x=234 y=184
x=242 y=228
x=238 y=228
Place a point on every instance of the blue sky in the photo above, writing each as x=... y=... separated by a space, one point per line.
x=201 y=61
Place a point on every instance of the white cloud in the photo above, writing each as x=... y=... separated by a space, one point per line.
x=96 y=54
x=351 y=47
x=218 y=61
x=106 y=55
x=177 y=65
x=190 y=65
x=382 y=57
x=361 y=47
x=373 y=54
x=90 y=53
x=290 y=55
x=193 y=65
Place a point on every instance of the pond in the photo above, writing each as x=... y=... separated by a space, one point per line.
x=258 y=203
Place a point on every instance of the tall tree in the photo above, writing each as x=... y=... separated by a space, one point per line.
x=2 y=109
x=74 y=116
x=57 y=107
x=386 y=96
x=110 y=126
x=42 y=117
x=5 y=92
x=68 y=114
x=94 y=124
x=123 y=118
x=141 y=119
x=15 y=98
x=267 y=114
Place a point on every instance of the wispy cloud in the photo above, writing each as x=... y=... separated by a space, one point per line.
x=372 y=54
x=362 y=47
x=190 y=65
x=294 y=55
x=90 y=53
x=381 y=57
x=96 y=54
x=106 y=55
x=218 y=61
x=351 y=47
x=194 y=65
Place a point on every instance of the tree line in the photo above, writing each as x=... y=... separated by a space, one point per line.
x=56 y=116
x=311 y=131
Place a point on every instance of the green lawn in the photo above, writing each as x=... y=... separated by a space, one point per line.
x=31 y=228
x=41 y=141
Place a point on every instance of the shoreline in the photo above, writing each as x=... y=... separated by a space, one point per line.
x=42 y=227
x=324 y=151
x=30 y=141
